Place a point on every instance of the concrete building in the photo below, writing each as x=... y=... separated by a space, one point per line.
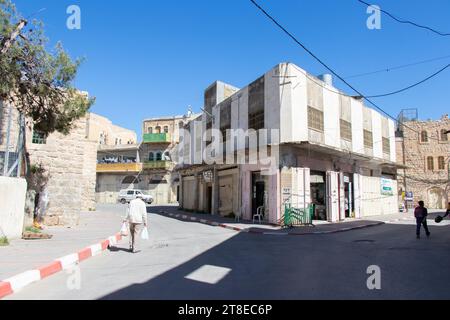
x=146 y=166
x=423 y=147
x=325 y=148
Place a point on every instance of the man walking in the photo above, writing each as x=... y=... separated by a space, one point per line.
x=421 y=214
x=136 y=217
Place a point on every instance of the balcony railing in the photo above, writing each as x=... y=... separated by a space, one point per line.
x=119 y=167
x=157 y=138
x=149 y=165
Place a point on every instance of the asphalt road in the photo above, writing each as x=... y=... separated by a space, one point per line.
x=186 y=260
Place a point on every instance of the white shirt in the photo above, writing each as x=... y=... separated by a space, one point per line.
x=137 y=212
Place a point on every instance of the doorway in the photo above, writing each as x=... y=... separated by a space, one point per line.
x=349 y=196
x=209 y=190
x=259 y=194
x=318 y=195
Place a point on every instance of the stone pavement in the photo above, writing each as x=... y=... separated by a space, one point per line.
x=23 y=255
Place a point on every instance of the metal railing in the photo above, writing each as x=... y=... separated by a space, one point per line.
x=294 y=217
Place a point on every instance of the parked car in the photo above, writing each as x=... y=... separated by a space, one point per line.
x=125 y=196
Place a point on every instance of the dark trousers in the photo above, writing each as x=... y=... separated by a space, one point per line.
x=422 y=222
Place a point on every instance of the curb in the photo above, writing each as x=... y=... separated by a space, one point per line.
x=267 y=233
x=16 y=283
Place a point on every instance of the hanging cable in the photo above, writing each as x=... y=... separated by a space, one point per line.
x=407 y=21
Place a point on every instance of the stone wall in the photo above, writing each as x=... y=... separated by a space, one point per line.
x=431 y=186
x=102 y=130
x=109 y=186
x=71 y=163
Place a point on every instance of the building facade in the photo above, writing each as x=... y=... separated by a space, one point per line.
x=423 y=148
x=315 y=145
x=146 y=166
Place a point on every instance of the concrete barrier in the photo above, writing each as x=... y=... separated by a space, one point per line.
x=12 y=206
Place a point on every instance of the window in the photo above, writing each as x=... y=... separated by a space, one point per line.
x=441 y=163
x=430 y=164
x=158 y=130
x=151 y=156
x=424 y=137
x=225 y=119
x=39 y=137
x=315 y=119
x=159 y=156
x=444 y=135
x=256 y=120
x=211 y=97
x=368 y=139
x=167 y=156
x=166 y=129
x=130 y=180
x=386 y=146
x=150 y=130
x=346 y=130
x=256 y=104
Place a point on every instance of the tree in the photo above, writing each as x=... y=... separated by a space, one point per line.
x=39 y=83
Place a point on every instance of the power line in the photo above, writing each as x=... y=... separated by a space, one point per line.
x=407 y=21
x=321 y=62
x=380 y=95
x=389 y=69
x=411 y=86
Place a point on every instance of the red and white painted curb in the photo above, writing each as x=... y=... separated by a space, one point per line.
x=20 y=281
x=262 y=232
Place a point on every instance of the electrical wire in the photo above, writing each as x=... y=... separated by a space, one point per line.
x=411 y=86
x=404 y=66
x=407 y=21
x=290 y=35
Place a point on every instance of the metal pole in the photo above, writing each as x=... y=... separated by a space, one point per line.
x=22 y=143
x=8 y=141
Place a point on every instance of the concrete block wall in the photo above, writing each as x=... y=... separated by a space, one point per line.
x=12 y=206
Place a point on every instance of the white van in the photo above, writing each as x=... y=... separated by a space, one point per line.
x=125 y=196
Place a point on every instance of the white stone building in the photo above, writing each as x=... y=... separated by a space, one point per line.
x=329 y=149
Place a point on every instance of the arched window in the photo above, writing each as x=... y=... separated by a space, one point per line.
x=151 y=156
x=430 y=163
x=166 y=156
x=159 y=156
x=158 y=129
x=166 y=129
x=444 y=135
x=441 y=163
x=150 y=130
x=424 y=136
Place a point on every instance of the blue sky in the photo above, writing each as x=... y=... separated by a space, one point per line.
x=154 y=58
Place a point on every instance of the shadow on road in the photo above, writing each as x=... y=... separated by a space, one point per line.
x=317 y=267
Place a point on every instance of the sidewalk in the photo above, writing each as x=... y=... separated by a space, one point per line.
x=408 y=218
x=23 y=255
x=268 y=229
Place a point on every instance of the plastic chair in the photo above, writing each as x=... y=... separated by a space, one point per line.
x=259 y=215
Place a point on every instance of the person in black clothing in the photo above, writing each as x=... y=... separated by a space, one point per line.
x=421 y=214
